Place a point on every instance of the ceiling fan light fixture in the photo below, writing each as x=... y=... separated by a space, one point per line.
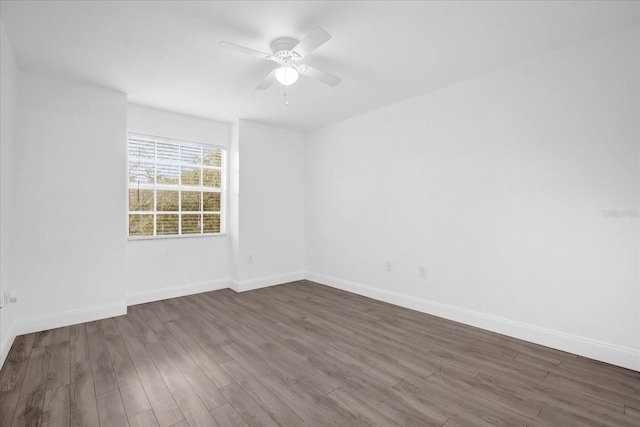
x=286 y=75
x=287 y=52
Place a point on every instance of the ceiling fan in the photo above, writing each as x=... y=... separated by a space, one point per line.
x=288 y=53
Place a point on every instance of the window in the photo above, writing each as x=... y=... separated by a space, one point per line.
x=175 y=187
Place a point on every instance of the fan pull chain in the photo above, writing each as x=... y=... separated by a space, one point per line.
x=286 y=100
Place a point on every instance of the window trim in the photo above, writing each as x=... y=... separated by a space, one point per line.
x=223 y=189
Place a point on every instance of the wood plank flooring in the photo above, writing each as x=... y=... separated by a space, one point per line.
x=301 y=354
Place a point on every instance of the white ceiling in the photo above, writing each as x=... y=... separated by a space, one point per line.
x=165 y=54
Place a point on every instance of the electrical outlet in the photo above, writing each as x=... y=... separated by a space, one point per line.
x=249 y=259
x=422 y=272
x=11 y=296
x=389 y=266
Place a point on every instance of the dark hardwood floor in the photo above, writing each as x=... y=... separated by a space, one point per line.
x=301 y=354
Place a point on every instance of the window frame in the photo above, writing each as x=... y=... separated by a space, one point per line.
x=179 y=188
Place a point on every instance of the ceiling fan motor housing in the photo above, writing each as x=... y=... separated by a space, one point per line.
x=282 y=52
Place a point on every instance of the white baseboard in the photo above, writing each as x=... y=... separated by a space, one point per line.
x=605 y=352
x=88 y=314
x=72 y=317
x=5 y=345
x=263 y=282
x=177 y=291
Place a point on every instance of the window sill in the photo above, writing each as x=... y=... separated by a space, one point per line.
x=182 y=236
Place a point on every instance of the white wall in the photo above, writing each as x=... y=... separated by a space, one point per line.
x=271 y=205
x=233 y=224
x=69 y=174
x=163 y=268
x=8 y=89
x=265 y=216
x=497 y=186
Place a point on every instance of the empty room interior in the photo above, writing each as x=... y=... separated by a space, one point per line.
x=318 y=213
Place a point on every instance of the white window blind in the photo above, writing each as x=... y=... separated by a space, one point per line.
x=175 y=187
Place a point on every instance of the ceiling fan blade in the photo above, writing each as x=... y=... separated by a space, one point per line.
x=316 y=38
x=319 y=75
x=268 y=80
x=245 y=50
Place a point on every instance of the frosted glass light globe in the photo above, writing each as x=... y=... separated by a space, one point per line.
x=286 y=75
